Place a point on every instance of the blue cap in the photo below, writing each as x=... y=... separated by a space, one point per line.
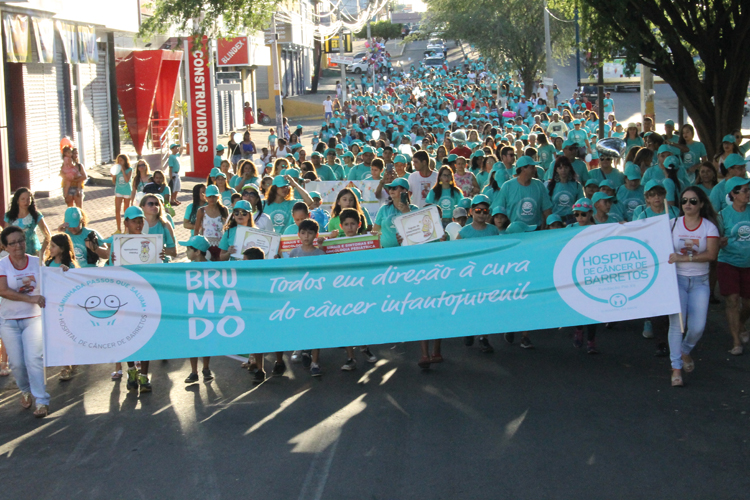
x=600 y=196
x=279 y=181
x=198 y=242
x=729 y=138
x=632 y=172
x=243 y=205
x=401 y=159
x=519 y=227
x=733 y=160
x=552 y=218
x=525 y=161
x=220 y=147
x=398 y=182
x=735 y=182
x=480 y=198
x=214 y=172
x=671 y=162
x=212 y=190
x=651 y=185
x=464 y=202
x=133 y=212
x=663 y=149
x=608 y=183
x=72 y=217
x=583 y=205
x=499 y=210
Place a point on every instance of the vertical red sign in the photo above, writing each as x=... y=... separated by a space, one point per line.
x=200 y=91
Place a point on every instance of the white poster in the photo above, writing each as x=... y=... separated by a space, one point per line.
x=136 y=249
x=419 y=227
x=247 y=237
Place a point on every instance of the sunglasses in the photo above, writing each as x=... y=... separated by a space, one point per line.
x=238 y=213
x=481 y=210
x=692 y=201
x=152 y=203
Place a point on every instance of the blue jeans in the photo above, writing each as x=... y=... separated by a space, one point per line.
x=23 y=340
x=694 y=295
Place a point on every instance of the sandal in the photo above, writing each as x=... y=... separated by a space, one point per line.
x=677 y=380
x=736 y=350
x=436 y=358
x=687 y=363
x=65 y=374
x=41 y=411
x=424 y=362
x=26 y=400
x=4 y=370
x=745 y=337
x=117 y=375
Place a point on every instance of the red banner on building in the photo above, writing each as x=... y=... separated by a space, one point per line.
x=200 y=91
x=233 y=51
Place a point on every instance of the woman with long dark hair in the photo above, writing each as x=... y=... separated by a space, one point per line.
x=564 y=189
x=191 y=211
x=445 y=194
x=696 y=244
x=23 y=214
x=123 y=189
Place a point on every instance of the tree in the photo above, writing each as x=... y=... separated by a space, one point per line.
x=382 y=29
x=509 y=31
x=213 y=18
x=698 y=48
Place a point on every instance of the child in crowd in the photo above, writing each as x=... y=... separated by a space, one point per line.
x=196 y=249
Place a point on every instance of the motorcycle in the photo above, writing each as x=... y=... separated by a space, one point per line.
x=263 y=118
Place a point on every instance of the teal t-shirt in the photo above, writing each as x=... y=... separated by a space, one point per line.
x=547 y=156
x=718 y=196
x=227 y=240
x=280 y=214
x=384 y=219
x=338 y=172
x=525 y=203
x=564 y=196
x=736 y=228
x=79 y=245
x=693 y=157
x=447 y=202
x=174 y=163
x=630 y=200
x=292 y=229
x=654 y=173
x=358 y=172
x=121 y=185
x=632 y=143
x=579 y=136
x=325 y=173
x=237 y=183
x=646 y=213
x=469 y=231
x=28 y=224
x=617 y=177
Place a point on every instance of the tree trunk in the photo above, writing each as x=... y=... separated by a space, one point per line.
x=317 y=55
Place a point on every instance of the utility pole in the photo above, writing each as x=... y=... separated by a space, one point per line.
x=578 y=49
x=341 y=63
x=372 y=66
x=548 y=53
x=276 y=82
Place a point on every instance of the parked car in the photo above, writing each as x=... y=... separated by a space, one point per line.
x=436 y=44
x=433 y=61
x=358 y=66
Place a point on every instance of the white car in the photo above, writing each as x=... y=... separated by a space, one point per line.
x=358 y=67
x=435 y=44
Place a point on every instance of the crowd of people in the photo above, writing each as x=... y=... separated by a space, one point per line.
x=492 y=160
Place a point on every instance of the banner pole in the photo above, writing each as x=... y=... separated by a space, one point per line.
x=44 y=325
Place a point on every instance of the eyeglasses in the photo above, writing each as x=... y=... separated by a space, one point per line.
x=692 y=201
x=743 y=191
x=16 y=242
x=580 y=214
x=481 y=210
x=152 y=203
x=238 y=213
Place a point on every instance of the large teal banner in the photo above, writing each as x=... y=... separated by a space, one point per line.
x=516 y=282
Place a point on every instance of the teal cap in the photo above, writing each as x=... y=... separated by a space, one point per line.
x=398 y=182
x=198 y=242
x=735 y=182
x=608 y=183
x=133 y=212
x=243 y=205
x=669 y=122
x=552 y=218
x=525 y=161
x=212 y=190
x=671 y=162
x=480 y=198
x=73 y=216
x=600 y=196
x=519 y=227
x=583 y=205
x=733 y=160
x=729 y=138
x=651 y=185
x=632 y=172
x=280 y=181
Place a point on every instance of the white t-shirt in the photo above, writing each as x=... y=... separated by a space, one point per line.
x=328 y=106
x=264 y=223
x=700 y=236
x=420 y=187
x=24 y=280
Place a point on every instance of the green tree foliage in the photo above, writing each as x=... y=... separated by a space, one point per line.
x=213 y=18
x=506 y=31
x=698 y=48
x=382 y=29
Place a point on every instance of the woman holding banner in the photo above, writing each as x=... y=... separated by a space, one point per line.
x=696 y=243
x=20 y=319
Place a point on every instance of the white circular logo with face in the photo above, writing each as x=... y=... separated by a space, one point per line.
x=563 y=200
x=527 y=208
x=595 y=274
x=113 y=315
x=743 y=231
x=278 y=219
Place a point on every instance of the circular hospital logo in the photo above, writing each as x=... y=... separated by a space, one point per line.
x=117 y=315
x=743 y=231
x=278 y=218
x=595 y=275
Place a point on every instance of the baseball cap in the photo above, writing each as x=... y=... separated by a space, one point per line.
x=733 y=160
x=736 y=182
x=499 y=210
x=243 y=205
x=220 y=147
x=632 y=172
x=480 y=198
x=174 y=146
x=519 y=227
x=402 y=159
x=133 y=212
x=198 y=242
x=315 y=194
x=525 y=161
x=671 y=162
x=600 y=196
x=73 y=216
x=651 y=185
x=279 y=181
x=368 y=149
x=569 y=142
x=608 y=183
x=214 y=172
x=729 y=138
x=459 y=212
x=212 y=190
x=316 y=154
x=398 y=182
x=583 y=205
x=663 y=149
x=552 y=218
x=669 y=122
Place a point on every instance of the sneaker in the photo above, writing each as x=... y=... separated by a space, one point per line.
x=736 y=350
x=526 y=343
x=193 y=377
x=484 y=345
x=279 y=369
x=745 y=337
x=132 y=379
x=469 y=341
x=578 y=338
x=144 y=383
x=509 y=337
x=350 y=365
x=315 y=370
x=662 y=350
x=369 y=356
x=259 y=376
x=591 y=347
x=296 y=356
x=306 y=359
x=648 y=330
x=207 y=375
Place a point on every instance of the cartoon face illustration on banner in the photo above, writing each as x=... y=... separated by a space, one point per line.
x=113 y=315
x=138 y=251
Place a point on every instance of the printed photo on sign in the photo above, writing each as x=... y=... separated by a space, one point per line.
x=419 y=227
x=247 y=237
x=291 y=241
x=136 y=249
